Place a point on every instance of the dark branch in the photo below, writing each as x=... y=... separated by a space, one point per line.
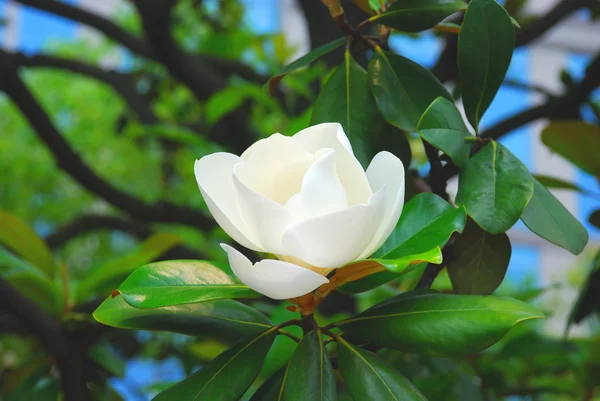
x=123 y=84
x=50 y=334
x=562 y=107
x=69 y=161
x=102 y=24
x=233 y=131
x=137 y=45
x=446 y=68
x=91 y=223
x=560 y=11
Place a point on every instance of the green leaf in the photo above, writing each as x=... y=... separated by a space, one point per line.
x=402 y=263
x=576 y=141
x=11 y=262
x=271 y=389
x=228 y=376
x=495 y=187
x=225 y=319
x=443 y=127
x=480 y=261
x=402 y=89
x=310 y=374
x=37 y=288
x=594 y=218
x=177 y=282
x=21 y=238
x=370 y=378
x=344 y=99
x=223 y=102
x=105 y=357
x=548 y=218
x=417 y=15
x=485 y=46
x=553 y=182
x=425 y=322
x=107 y=277
x=303 y=61
x=374 y=281
x=427 y=222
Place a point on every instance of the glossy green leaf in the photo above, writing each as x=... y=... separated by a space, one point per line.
x=21 y=238
x=37 y=288
x=105 y=357
x=548 y=218
x=443 y=127
x=480 y=261
x=374 y=280
x=402 y=263
x=9 y=261
x=417 y=15
x=272 y=388
x=369 y=377
x=594 y=218
x=494 y=187
x=402 y=89
x=425 y=322
x=228 y=376
x=177 y=282
x=367 y=6
x=553 y=182
x=303 y=61
x=225 y=319
x=485 y=46
x=427 y=222
x=310 y=374
x=105 y=278
x=576 y=141
x=283 y=347
x=344 y=99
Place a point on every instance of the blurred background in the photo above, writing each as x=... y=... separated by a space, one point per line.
x=114 y=101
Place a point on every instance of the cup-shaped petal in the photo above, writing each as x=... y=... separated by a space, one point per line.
x=274 y=278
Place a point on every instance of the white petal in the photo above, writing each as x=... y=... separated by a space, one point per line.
x=274 y=167
x=214 y=174
x=321 y=193
x=351 y=173
x=274 y=278
x=266 y=219
x=322 y=136
x=335 y=239
x=386 y=170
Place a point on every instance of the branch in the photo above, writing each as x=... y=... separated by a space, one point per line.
x=135 y=44
x=50 y=334
x=89 y=223
x=202 y=80
x=107 y=27
x=121 y=83
x=446 y=68
x=563 y=9
x=69 y=161
x=562 y=107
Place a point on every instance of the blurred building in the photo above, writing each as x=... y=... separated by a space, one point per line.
x=568 y=47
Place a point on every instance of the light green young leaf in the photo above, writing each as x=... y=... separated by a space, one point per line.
x=21 y=238
x=107 y=277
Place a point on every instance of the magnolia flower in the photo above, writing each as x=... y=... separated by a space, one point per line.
x=305 y=199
